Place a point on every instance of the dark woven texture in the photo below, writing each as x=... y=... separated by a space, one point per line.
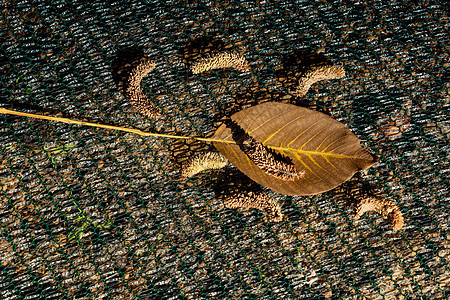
x=91 y=213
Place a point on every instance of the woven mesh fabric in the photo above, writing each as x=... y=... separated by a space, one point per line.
x=88 y=213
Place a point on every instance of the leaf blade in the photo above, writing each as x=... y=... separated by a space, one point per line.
x=324 y=148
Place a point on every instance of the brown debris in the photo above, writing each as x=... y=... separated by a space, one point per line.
x=258 y=200
x=315 y=74
x=270 y=162
x=204 y=161
x=388 y=210
x=134 y=92
x=221 y=60
x=394 y=126
x=267 y=162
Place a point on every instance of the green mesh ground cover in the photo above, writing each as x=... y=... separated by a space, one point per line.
x=95 y=214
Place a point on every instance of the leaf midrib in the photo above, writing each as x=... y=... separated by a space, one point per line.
x=310 y=152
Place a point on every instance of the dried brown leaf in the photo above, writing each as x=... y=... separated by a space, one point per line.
x=327 y=151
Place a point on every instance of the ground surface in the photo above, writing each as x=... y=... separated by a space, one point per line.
x=91 y=213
